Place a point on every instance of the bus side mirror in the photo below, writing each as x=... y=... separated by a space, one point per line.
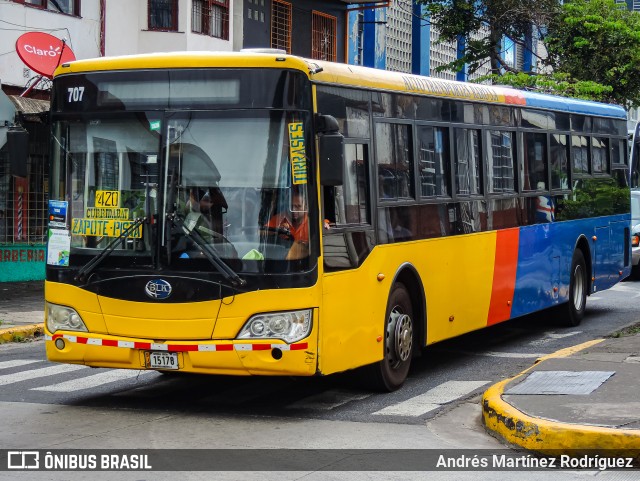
x=18 y=150
x=331 y=148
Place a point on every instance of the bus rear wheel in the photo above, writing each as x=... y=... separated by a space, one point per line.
x=391 y=372
x=578 y=285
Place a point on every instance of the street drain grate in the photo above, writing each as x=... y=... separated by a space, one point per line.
x=561 y=382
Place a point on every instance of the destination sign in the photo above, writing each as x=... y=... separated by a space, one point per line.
x=103 y=228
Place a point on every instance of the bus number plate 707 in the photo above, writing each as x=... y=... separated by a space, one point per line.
x=161 y=360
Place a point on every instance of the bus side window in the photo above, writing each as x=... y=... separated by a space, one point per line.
x=348 y=204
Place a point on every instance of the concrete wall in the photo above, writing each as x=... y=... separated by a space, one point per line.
x=82 y=35
x=126 y=30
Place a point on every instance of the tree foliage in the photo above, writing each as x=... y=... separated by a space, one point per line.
x=593 y=46
x=599 y=41
x=484 y=23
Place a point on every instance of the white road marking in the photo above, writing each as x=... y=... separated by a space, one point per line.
x=432 y=399
x=328 y=400
x=92 y=381
x=514 y=355
x=38 y=373
x=16 y=363
x=550 y=336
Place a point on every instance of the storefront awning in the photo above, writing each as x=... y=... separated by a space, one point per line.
x=29 y=107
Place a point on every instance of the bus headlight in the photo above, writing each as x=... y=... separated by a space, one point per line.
x=63 y=318
x=289 y=326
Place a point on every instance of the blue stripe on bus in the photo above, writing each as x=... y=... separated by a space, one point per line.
x=565 y=104
x=543 y=265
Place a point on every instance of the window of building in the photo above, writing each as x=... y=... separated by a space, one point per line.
x=281 y=25
x=163 y=15
x=534 y=171
x=580 y=154
x=395 y=161
x=500 y=171
x=468 y=165
x=559 y=161
x=211 y=17
x=323 y=36
x=433 y=158
x=600 y=155
x=70 y=7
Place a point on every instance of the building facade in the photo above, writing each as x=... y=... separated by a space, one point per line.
x=95 y=28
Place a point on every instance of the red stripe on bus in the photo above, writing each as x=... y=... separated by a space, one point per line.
x=142 y=345
x=504 y=275
x=299 y=347
x=182 y=347
x=110 y=342
x=261 y=347
x=81 y=340
x=224 y=347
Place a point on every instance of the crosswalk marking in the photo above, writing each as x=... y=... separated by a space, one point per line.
x=328 y=400
x=93 y=380
x=16 y=363
x=432 y=399
x=38 y=373
x=511 y=355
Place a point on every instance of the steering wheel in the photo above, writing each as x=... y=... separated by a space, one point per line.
x=278 y=232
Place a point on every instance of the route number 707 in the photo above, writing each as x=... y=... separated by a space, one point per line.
x=75 y=94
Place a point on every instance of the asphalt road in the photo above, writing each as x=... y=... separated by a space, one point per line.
x=437 y=408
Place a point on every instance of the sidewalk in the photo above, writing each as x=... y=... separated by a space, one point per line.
x=582 y=398
x=21 y=310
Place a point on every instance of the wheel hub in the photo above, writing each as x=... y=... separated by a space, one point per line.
x=400 y=332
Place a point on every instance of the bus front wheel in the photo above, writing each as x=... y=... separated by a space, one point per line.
x=390 y=373
x=574 y=309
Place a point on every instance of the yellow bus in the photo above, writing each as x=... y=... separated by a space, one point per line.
x=257 y=213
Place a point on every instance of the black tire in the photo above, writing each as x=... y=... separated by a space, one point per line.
x=390 y=373
x=573 y=311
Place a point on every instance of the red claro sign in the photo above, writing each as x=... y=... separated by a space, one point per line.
x=42 y=52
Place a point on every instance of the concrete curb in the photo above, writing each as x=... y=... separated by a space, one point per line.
x=13 y=334
x=547 y=436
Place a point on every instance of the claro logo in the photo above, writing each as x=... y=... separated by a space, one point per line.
x=158 y=289
x=52 y=52
x=43 y=53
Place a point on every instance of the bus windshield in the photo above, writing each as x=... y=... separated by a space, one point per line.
x=221 y=183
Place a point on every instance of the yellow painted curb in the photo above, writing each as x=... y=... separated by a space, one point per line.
x=21 y=332
x=546 y=436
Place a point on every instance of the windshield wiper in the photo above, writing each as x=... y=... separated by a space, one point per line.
x=208 y=250
x=90 y=266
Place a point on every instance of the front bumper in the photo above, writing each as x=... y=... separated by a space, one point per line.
x=233 y=357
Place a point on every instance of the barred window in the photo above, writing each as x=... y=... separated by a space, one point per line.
x=70 y=7
x=500 y=168
x=468 y=162
x=281 y=25
x=211 y=17
x=323 y=37
x=163 y=15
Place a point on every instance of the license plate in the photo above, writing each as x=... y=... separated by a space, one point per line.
x=162 y=360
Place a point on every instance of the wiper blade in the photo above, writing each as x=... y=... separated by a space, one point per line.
x=209 y=251
x=90 y=266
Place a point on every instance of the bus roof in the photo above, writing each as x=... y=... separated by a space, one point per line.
x=346 y=75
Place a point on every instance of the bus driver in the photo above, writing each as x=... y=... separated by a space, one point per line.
x=295 y=225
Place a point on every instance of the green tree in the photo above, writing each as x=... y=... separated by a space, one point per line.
x=483 y=24
x=593 y=45
x=598 y=41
